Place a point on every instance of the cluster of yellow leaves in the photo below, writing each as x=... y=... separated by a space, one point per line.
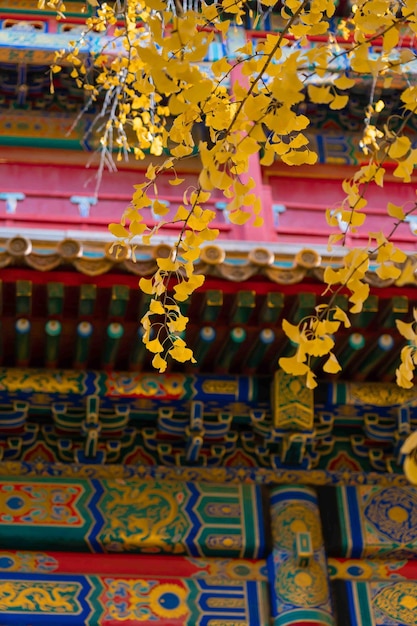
x=155 y=87
x=405 y=372
x=314 y=335
x=314 y=339
x=165 y=320
x=352 y=276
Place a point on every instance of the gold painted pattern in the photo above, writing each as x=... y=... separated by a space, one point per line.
x=393 y=514
x=295 y=518
x=144 y=516
x=222 y=387
x=39 y=597
x=293 y=403
x=226 y=603
x=398 y=602
x=299 y=586
x=378 y=394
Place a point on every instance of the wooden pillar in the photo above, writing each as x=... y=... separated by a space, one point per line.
x=299 y=582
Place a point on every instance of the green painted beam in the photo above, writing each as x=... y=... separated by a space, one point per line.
x=212 y=305
x=395 y=308
x=304 y=305
x=23 y=297
x=370 y=309
x=243 y=307
x=119 y=300
x=87 y=302
x=378 y=352
x=351 y=348
x=82 y=346
x=389 y=373
x=138 y=352
x=263 y=342
x=55 y=295
x=272 y=308
x=184 y=306
x=53 y=330
x=114 y=333
x=205 y=341
x=342 y=301
x=34 y=12
x=287 y=348
x=144 y=304
x=22 y=342
x=232 y=345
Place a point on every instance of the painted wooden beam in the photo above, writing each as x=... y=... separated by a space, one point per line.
x=87 y=302
x=272 y=308
x=231 y=347
x=243 y=307
x=377 y=353
x=23 y=297
x=138 y=352
x=354 y=343
x=205 y=341
x=262 y=343
x=212 y=305
x=370 y=309
x=82 y=346
x=114 y=333
x=396 y=307
x=53 y=330
x=22 y=341
x=55 y=298
x=119 y=301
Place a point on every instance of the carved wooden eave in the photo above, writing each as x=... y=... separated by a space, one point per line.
x=95 y=259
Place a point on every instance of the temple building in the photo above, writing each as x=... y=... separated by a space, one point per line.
x=223 y=493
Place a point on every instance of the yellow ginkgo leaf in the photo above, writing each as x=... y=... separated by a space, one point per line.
x=395 y=211
x=156 y=307
x=155 y=345
x=167 y=265
x=147 y=285
x=292 y=332
x=178 y=325
x=332 y=365
x=159 y=363
x=160 y=208
x=180 y=352
x=311 y=382
x=339 y=102
x=118 y=230
x=343 y=82
x=320 y=95
x=388 y=271
x=410 y=466
x=137 y=228
x=399 y=147
x=239 y=217
x=406 y=330
x=319 y=346
x=291 y=365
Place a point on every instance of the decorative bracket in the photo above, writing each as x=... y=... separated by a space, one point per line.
x=84 y=204
x=343 y=226
x=277 y=209
x=154 y=215
x=11 y=199
x=303 y=548
x=91 y=426
x=412 y=222
x=221 y=206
